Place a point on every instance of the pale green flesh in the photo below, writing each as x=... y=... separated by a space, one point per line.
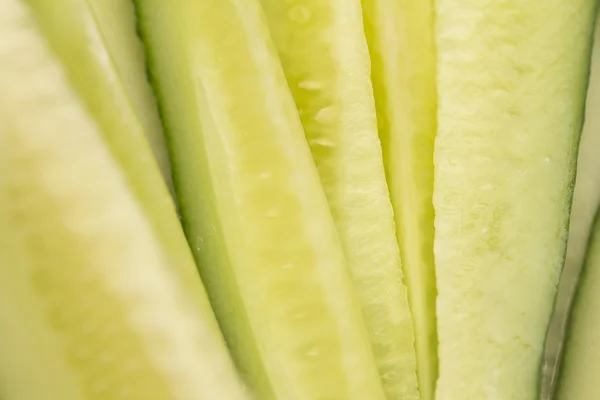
x=116 y=23
x=89 y=67
x=90 y=307
x=98 y=45
x=512 y=81
x=578 y=379
x=252 y=203
x=586 y=199
x=401 y=44
x=323 y=50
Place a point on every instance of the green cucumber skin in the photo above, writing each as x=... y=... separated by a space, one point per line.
x=128 y=56
x=105 y=302
x=205 y=243
x=324 y=54
x=86 y=58
x=209 y=223
x=92 y=306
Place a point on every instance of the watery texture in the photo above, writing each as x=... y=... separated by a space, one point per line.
x=84 y=58
x=91 y=305
x=116 y=23
x=101 y=46
x=512 y=80
x=401 y=43
x=324 y=54
x=586 y=198
x=252 y=203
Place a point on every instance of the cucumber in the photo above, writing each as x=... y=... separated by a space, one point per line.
x=512 y=80
x=586 y=200
x=325 y=58
x=252 y=204
x=90 y=305
x=97 y=42
x=579 y=371
x=400 y=34
x=71 y=31
x=117 y=25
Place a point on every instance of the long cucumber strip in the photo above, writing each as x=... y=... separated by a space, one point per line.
x=252 y=204
x=72 y=32
x=90 y=307
x=578 y=379
x=401 y=39
x=512 y=79
x=586 y=200
x=115 y=20
x=98 y=45
x=323 y=50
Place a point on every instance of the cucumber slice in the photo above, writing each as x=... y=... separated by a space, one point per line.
x=512 y=79
x=403 y=56
x=252 y=204
x=116 y=22
x=97 y=42
x=579 y=372
x=586 y=200
x=90 y=307
x=325 y=58
x=71 y=31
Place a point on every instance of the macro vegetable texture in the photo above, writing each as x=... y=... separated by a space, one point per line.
x=252 y=204
x=503 y=182
x=91 y=299
x=324 y=55
x=298 y=200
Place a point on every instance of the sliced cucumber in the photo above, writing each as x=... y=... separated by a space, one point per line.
x=90 y=306
x=116 y=22
x=252 y=204
x=586 y=200
x=324 y=54
x=401 y=42
x=71 y=30
x=512 y=79
x=98 y=45
x=579 y=372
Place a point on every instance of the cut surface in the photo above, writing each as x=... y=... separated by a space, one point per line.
x=115 y=21
x=586 y=199
x=90 y=307
x=252 y=204
x=401 y=43
x=73 y=33
x=323 y=50
x=512 y=81
x=578 y=379
x=97 y=43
